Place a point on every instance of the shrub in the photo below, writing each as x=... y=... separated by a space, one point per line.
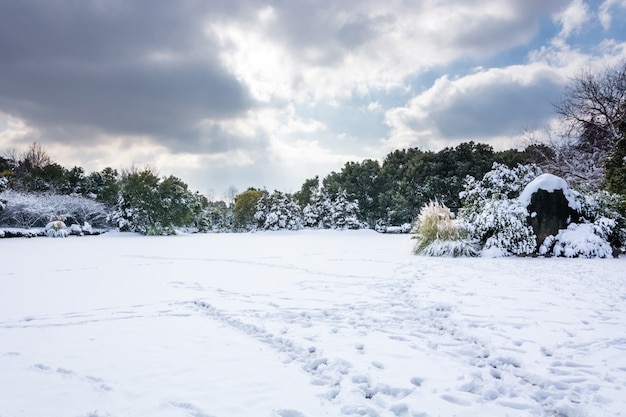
x=437 y=233
x=502 y=229
x=28 y=210
x=494 y=215
x=56 y=227
x=587 y=240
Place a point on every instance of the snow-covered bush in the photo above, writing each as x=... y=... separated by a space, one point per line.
x=502 y=229
x=56 y=227
x=438 y=234
x=605 y=205
x=28 y=210
x=494 y=216
x=586 y=240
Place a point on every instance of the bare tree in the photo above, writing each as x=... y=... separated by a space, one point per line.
x=593 y=115
x=559 y=155
x=231 y=194
x=36 y=157
x=594 y=107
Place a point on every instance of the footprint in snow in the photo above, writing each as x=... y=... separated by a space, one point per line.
x=288 y=413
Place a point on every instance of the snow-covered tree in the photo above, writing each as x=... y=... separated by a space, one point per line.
x=153 y=206
x=278 y=211
x=310 y=216
x=324 y=207
x=345 y=213
x=501 y=182
x=217 y=216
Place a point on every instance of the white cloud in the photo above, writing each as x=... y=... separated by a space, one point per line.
x=14 y=132
x=572 y=18
x=605 y=13
x=336 y=51
x=487 y=106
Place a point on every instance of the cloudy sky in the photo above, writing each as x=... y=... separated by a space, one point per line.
x=250 y=93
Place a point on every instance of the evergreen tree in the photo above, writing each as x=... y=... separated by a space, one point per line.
x=245 y=209
x=345 y=213
x=278 y=211
x=149 y=205
x=310 y=216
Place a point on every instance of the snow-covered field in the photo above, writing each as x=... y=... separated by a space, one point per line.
x=309 y=323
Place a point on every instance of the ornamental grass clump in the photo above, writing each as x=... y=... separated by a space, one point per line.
x=438 y=234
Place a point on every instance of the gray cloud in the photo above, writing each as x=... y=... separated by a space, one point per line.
x=501 y=109
x=97 y=64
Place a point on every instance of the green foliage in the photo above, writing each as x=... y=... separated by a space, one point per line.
x=413 y=177
x=308 y=192
x=245 y=209
x=104 y=186
x=361 y=182
x=152 y=206
x=217 y=216
x=615 y=169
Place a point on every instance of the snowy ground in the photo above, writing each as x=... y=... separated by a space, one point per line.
x=311 y=323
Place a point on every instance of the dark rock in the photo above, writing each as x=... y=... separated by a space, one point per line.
x=549 y=212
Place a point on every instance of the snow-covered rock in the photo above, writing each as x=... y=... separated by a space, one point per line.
x=550 y=183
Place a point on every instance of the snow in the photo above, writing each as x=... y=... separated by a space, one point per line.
x=549 y=183
x=306 y=323
x=580 y=240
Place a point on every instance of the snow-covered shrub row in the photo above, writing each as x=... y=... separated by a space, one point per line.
x=329 y=213
x=437 y=233
x=278 y=211
x=381 y=227
x=8 y=232
x=31 y=210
